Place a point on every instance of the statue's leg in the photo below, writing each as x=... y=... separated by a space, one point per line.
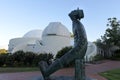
x=79 y=69
x=43 y=66
x=60 y=63
x=47 y=70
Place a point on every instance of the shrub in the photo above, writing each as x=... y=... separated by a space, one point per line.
x=29 y=58
x=45 y=57
x=98 y=57
x=9 y=60
x=116 y=55
x=23 y=59
x=62 y=52
x=3 y=58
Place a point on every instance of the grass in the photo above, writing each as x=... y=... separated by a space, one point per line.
x=18 y=69
x=112 y=74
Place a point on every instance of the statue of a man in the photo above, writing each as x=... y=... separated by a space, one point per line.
x=77 y=52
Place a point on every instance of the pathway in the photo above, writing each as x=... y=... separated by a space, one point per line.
x=91 y=71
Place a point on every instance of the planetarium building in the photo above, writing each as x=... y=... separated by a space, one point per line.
x=52 y=39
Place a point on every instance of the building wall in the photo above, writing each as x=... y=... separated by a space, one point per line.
x=17 y=42
x=91 y=51
x=55 y=43
x=48 y=44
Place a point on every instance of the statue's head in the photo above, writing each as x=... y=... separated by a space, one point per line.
x=76 y=14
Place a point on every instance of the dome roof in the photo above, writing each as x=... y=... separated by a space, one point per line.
x=33 y=34
x=56 y=28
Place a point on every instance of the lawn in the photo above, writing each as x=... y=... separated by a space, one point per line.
x=112 y=74
x=18 y=69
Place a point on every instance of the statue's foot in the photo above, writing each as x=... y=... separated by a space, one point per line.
x=43 y=67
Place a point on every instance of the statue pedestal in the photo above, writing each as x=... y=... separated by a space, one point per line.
x=59 y=78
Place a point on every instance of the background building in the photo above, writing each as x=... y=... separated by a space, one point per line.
x=52 y=39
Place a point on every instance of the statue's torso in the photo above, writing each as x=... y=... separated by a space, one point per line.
x=79 y=33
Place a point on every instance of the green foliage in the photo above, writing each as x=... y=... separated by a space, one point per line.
x=112 y=34
x=17 y=69
x=98 y=57
x=9 y=60
x=62 y=52
x=3 y=51
x=116 y=55
x=3 y=59
x=111 y=37
x=112 y=74
x=43 y=57
x=23 y=59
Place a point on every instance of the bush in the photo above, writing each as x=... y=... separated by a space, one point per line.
x=62 y=52
x=9 y=60
x=3 y=58
x=23 y=59
x=98 y=57
x=116 y=55
x=42 y=57
x=29 y=58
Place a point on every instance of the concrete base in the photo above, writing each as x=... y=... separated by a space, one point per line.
x=59 y=78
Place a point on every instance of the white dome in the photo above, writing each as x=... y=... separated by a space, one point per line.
x=56 y=28
x=33 y=34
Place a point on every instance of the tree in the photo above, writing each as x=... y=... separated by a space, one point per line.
x=102 y=48
x=112 y=34
x=111 y=38
x=2 y=51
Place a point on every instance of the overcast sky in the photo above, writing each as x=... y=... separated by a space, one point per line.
x=17 y=17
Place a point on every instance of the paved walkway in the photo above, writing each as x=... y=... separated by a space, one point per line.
x=91 y=71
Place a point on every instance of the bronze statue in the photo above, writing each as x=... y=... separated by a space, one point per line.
x=76 y=53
